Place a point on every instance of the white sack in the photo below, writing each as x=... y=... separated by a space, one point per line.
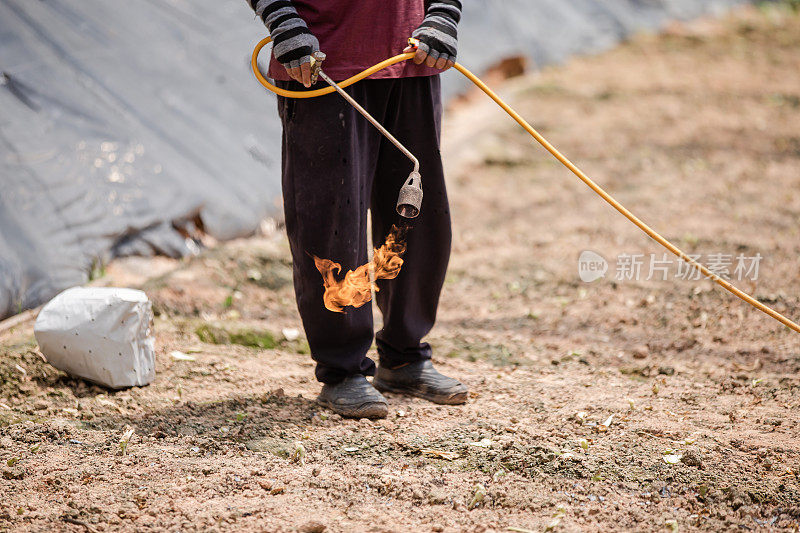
x=99 y=334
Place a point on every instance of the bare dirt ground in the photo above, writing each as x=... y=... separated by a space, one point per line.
x=613 y=405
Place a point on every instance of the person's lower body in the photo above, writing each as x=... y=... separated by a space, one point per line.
x=335 y=166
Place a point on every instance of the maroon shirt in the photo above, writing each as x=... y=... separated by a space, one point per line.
x=356 y=34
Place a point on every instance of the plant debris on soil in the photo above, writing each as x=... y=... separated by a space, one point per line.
x=618 y=405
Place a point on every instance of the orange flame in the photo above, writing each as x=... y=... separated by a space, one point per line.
x=356 y=287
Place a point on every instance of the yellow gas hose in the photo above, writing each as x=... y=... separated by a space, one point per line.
x=549 y=147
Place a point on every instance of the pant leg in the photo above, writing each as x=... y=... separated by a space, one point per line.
x=410 y=301
x=329 y=155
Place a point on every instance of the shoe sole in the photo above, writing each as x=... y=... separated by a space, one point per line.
x=457 y=398
x=371 y=410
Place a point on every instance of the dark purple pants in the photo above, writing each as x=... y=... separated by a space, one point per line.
x=335 y=166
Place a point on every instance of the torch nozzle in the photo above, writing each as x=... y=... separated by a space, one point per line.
x=409 y=202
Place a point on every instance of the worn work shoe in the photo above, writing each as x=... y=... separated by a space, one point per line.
x=354 y=397
x=422 y=380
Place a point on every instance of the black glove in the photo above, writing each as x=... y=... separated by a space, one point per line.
x=438 y=34
x=292 y=41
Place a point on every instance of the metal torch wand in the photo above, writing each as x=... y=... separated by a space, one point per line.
x=409 y=201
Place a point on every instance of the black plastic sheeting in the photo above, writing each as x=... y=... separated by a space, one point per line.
x=122 y=122
x=550 y=31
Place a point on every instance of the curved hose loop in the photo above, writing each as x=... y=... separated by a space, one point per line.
x=327 y=90
x=547 y=146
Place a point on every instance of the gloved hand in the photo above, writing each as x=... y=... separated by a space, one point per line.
x=438 y=34
x=292 y=41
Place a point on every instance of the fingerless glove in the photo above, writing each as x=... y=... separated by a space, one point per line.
x=292 y=41
x=438 y=33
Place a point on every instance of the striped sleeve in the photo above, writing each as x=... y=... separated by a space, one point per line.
x=292 y=40
x=439 y=29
